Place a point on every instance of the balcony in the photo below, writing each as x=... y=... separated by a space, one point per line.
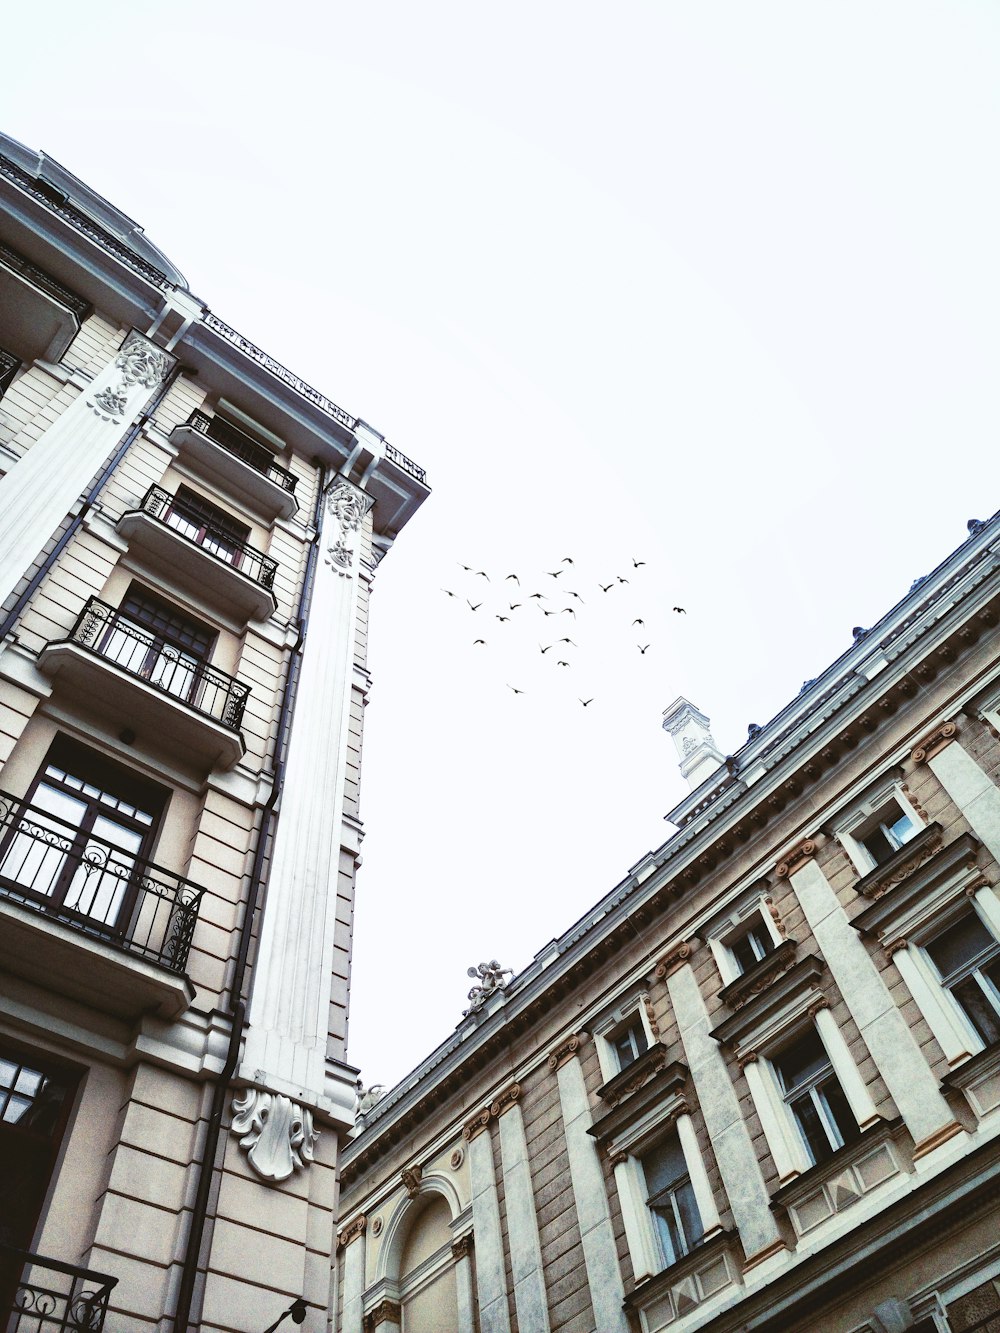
x=39 y=1295
x=178 y=704
x=233 y=461
x=39 y=317
x=203 y=558
x=91 y=920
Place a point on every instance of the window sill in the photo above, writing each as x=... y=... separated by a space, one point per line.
x=979 y=1079
x=634 y=1075
x=760 y=977
x=646 y=1109
x=663 y=1299
x=832 y=1186
x=902 y=863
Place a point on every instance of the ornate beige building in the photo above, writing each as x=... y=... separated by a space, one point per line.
x=757 y=1086
x=188 y=538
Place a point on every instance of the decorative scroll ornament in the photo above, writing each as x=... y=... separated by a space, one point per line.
x=139 y=362
x=277 y=1133
x=347 y=507
x=564 y=1051
x=490 y=979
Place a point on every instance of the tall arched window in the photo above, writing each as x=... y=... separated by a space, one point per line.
x=427 y=1288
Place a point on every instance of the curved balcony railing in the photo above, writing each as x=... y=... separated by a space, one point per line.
x=104 y=631
x=39 y=1295
x=95 y=886
x=211 y=537
x=8 y=369
x=241 y=446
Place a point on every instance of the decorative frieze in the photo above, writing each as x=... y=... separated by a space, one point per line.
x=276 y=1132
x=795 y=859
x=352 y=1231
x=934 y=742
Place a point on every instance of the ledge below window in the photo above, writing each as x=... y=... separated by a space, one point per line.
x=662 y=1300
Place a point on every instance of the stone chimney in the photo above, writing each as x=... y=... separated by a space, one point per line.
x=696 y=748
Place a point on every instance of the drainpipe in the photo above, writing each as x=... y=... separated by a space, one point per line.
x=128 y=440
x=237 y=1005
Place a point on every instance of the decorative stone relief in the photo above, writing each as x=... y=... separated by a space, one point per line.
x=139 y=362
x=277 y=1133
x=352 y=1231
x=490 y=978
x=347 y=506
x=796 y=859
x=934 y=743
x=505 y=1100
x=673 y=959
x=462 y=1248
x=564 y=1051
x=411 y=1177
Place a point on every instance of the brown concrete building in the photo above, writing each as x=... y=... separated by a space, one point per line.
x=188 y=538
x=758 y=1085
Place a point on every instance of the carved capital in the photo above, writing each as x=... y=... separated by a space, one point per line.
x=616 y=1157
x=505 y=1100
x=895 y=947
x=795 y=859
x=673 y=959
x=411 y=1180
x=564 y=1051
x=276 y=1132
x=140 y=363
x=934 y=743
x=386 y=1312
x=821 y=1002
x=352 y=1231
x=462 y=1248
x=474 y=1126
x=347 y=506
x=750 y=1058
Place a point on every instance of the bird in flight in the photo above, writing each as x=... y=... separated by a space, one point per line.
x=514 y=605
x=548 y=613
x=566 y=560
x=515 y=689
x=680 y=610
x=482 y=574
x=562 y=664
x=641 y=649
x=536 y=594
x=503 y=618
x=585 y=702
x=605 y=587
x=568 y=611
x=544 y=650
x=637 y=563
x=475 y=641
x=447 y=592
x=620 y=579
x=574 y=594
x=470 y=605
x=638 y=622
x=554 y=573
x=567 y=641
x=516 y=580
x=467 y=568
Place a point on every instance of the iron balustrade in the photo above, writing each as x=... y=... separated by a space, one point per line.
x=106 y=632
x=9 y=364
x=215 y=538
x=241 y=446
x=95 y=886
x=42 y=281
x=40 y=1295
x=407 y=464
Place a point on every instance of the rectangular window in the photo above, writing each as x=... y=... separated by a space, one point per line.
x=967 y=959
x=753 y=945
x=670 y=1199
x=629 y=1042
x=84 y=825
x=885 y=832
x=203 y=522
x=815 y=1098
x=154 y=640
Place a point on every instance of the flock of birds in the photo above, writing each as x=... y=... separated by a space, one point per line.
x=553 y=606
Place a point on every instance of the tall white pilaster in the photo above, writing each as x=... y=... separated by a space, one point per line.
x=42 y=486
x=493 y=1315
x=288 y=1019
x=522 y=1223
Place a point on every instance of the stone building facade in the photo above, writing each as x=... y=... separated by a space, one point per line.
x=188 y=538
x=758 y=1085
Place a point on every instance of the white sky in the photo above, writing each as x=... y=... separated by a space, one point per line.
x=714 y=286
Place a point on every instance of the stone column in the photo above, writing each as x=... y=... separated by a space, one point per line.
x=43 y=485
x=965 y=782
x=893 y=1046
x=600 y=1255
x=464 y=1292
x=352 y=1242
x=493 y=1315
x=734 y=1152
x=288 y=1020
x=522 y=1223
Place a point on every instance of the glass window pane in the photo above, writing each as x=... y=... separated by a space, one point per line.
x=690 y=1218
x=811 y=1128
x=955 y=949
x=839 y=1110
x=801 y=1061
x=664 y=1165
x=902 y=828
x=979 y=1008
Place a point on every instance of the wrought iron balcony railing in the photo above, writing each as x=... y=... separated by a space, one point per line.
x=106 y=632
x=8 y=369
x=407 y=464
x=217 y=540
x=39 y=1295
x=241 y=446
x=95 y=886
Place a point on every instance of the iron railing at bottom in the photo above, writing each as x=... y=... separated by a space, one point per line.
x=41 y=1295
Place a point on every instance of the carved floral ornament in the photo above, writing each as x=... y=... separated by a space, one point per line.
x=386 y=1312
x=277 y=1133
x=139 y=363
x=462 y=1248
x=347 y=506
